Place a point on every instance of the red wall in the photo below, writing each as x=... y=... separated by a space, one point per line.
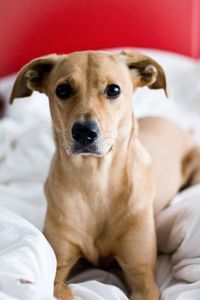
x=30 y=28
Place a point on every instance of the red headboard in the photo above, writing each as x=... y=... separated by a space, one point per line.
x=33 y=28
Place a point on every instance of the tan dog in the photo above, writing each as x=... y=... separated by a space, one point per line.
x=101 y=183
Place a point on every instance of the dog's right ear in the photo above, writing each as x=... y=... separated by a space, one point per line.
x=33 y=77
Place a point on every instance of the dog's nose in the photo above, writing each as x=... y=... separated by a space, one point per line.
x=85 y=133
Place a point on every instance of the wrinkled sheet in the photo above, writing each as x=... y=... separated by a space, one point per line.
x=27 y=262
x=26 y=148
x=179 y=241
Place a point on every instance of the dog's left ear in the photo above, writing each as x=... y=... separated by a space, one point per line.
x=145 y=70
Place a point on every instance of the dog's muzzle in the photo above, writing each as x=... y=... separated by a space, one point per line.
x=84 y=136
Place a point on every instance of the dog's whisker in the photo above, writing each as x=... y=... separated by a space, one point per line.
x=103 y=143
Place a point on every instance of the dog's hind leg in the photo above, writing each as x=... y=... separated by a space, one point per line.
x=191 y=168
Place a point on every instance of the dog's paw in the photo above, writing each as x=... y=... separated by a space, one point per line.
x=63 y=292
x=150 y=294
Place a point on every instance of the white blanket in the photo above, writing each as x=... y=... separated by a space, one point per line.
x=27 y=262
x=26 y=147
x=179 y=240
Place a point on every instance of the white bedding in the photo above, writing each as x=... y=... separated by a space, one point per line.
x=26 y=147
x=27 y=262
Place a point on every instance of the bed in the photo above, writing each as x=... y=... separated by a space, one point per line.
x=27 y=261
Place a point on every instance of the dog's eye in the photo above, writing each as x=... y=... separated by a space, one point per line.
x=112 y=91
x=64 y=91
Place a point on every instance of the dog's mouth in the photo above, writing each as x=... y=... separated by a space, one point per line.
x=99 y=147
x=91 y=149
x=94 y=149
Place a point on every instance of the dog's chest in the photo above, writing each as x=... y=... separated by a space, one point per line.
x=97 y=220
x=94 y=208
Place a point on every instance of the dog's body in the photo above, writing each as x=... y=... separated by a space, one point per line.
x=101 y=185
x=168 y=146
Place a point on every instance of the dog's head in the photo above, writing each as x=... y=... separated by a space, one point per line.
x=90 y=94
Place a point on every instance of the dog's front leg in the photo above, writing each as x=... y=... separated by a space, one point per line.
x=136 y=254
x=67 y=254
x=64 y=265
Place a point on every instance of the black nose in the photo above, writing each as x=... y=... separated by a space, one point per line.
x=85 y=133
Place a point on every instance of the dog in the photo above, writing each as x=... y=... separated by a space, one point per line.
x=110 y=173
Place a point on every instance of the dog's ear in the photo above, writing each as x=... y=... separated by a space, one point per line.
x=145 y=70
x=33 y=77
